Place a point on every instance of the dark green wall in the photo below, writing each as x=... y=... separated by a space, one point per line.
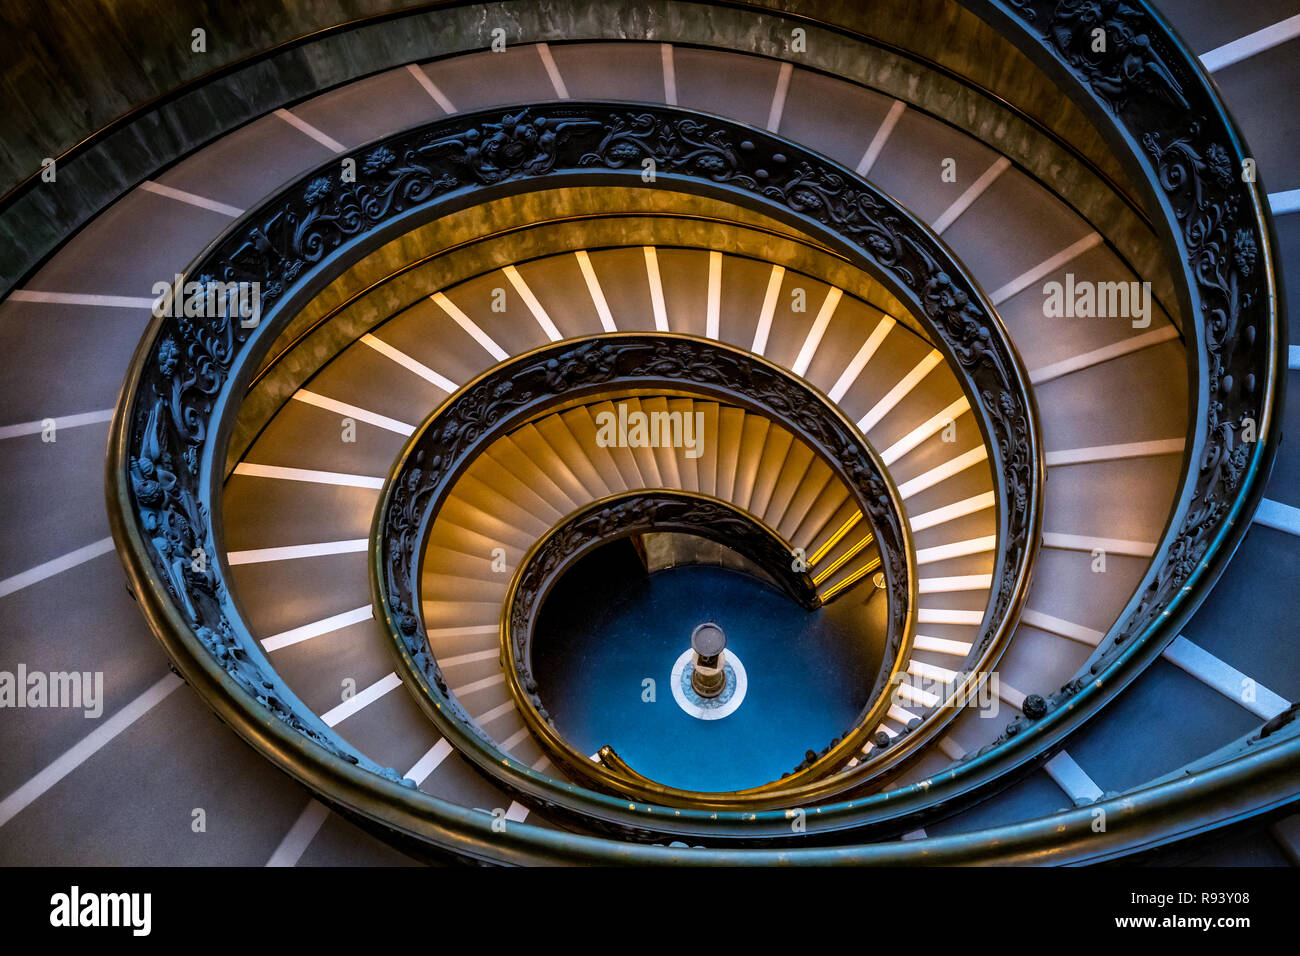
x=72 y=68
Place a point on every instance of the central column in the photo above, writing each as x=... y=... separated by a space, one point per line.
x=708 y=674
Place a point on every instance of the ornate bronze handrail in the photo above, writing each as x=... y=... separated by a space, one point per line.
x=1149 y=93
x=1247 y=357
x=552 y=376
x=189 y=372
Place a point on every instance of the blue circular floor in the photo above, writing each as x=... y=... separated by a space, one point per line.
x=609 y=630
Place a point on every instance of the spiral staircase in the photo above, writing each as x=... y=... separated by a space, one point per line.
x=827 y=235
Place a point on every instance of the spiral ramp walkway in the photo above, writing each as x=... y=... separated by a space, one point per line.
x=395 y=337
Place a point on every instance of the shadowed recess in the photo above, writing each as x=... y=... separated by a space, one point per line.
x=608 y=627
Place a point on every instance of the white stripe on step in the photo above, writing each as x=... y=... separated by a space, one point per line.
x=934 y=615
x=180 y=195
x=317 y=628
x=490 y=681
x=824 y=315
x=961 y=582
x=1137 y=449
x=1012 y=696
x=534 y=306
x=471 y=658
x=55 y=566
x=59 y=422
x=1252 y=44
x=473 y=630
x=956 y=549
x=86 y=748
x=1071 y=778
x=431 y=88
x=958 y=509
x=1284 y=202
x=972 y=193
x=300 y=835
x=942 y=472
x=670 y=73
x=597 y=294
x=303 y=126
x=931 y=672
x=258 y=555
x=404 y=360
x=1085 y=542
x=900 y=391
x=515 y=739
x=77 y=298
x=951 y=749
x=1061 y=627
x=253 y=470
x=916 y=695
x=656 y=288
x=882 y=136
x=553 y=71
x=901 y=715
x=713 y=307
x=360 y=700
x=352 y=411
x=1280 y=517
x=468 y=324
x=1225 y=678
x=1045 y=268
x=941 y=645
x=855 y=367
x=429 y=762
x=1124 y=347
x=764 y=327
x=923 y=431
x=777 y=108
x=495 y=712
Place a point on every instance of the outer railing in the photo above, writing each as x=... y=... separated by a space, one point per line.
x=1151 y=97
x=537 y=382
x=1148 y=93
x=189 y=372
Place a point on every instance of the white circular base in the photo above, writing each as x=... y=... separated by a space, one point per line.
x=709 y=708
